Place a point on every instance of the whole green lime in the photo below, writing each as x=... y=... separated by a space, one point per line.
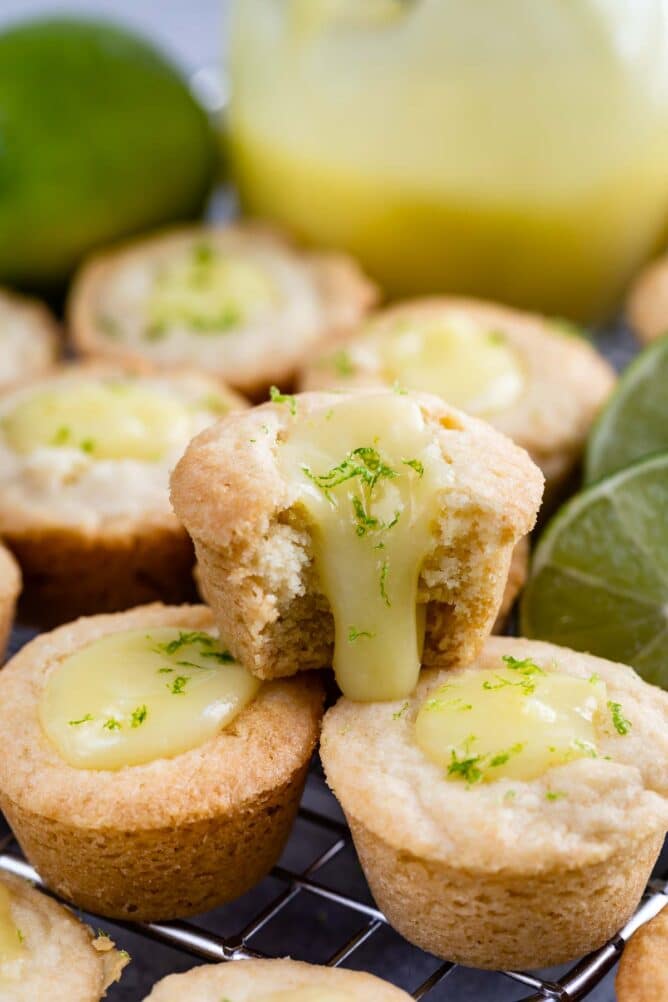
x=99 y=138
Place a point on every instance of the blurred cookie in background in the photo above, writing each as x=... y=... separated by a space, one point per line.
x=29 y=338
x=241 y=302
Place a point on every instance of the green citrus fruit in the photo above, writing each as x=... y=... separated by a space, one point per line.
x=599 y=579
x=634 y=422
x=99 y=138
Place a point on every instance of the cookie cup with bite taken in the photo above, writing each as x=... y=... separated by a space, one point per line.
x=518 y=573
x=46 y=953
x=85 y=457
x=355 y=529
x=146 y=775
x=508 y=814
x=274 y=981
x=240 y=302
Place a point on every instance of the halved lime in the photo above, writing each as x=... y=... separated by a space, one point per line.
x=599 y=580
x=635 y=421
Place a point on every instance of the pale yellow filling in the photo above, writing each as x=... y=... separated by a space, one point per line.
x=470 y=368
x=309 y=17
x=368 y=475
x=107 y=420
x=140 y=695
x=11 y=939
x=309 y=993
x=209 y=292
x=514 y=723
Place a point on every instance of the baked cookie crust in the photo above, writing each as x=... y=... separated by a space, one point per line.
x=566 y=379
x=643 y=969
x=170 y=838
x=65 y=961
x=254 y=547
x=247 y=980
x=465 y=872
x=321 y=296
x=517 y=578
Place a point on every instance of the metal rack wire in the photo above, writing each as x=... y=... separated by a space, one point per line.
x=194 y=939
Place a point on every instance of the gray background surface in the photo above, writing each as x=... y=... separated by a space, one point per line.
x=192 y=32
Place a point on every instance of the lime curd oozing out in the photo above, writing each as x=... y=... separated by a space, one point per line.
x=139 y=695
x=515 y=722
x=368 y=474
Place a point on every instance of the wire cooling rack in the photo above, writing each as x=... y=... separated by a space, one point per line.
x=318 y=884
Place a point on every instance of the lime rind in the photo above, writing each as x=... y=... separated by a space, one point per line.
x=634 y=422
x=599 y=577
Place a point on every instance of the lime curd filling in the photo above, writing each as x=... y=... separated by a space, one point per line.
x=368 y=475
x=309 y=993
x=513 y=723
x=107 y=420
x=141 y=695
x=468 y=366
x=208 y=292
x=12 y=948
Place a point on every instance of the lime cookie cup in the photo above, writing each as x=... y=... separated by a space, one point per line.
x=85 y=456
x=10 y=587
x=159 y=837
x=462 y=855
x=533 y=378
x=274 y=981
x=647 y=304
x=45 y=952
x=29 y=338
x=414 y=503
x=240 y=302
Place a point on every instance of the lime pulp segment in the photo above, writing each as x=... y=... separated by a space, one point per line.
x=599 y=581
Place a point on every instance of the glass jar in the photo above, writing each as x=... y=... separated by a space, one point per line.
x=512 y=149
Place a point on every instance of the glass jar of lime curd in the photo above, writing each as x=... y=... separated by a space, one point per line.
x=512 y=149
